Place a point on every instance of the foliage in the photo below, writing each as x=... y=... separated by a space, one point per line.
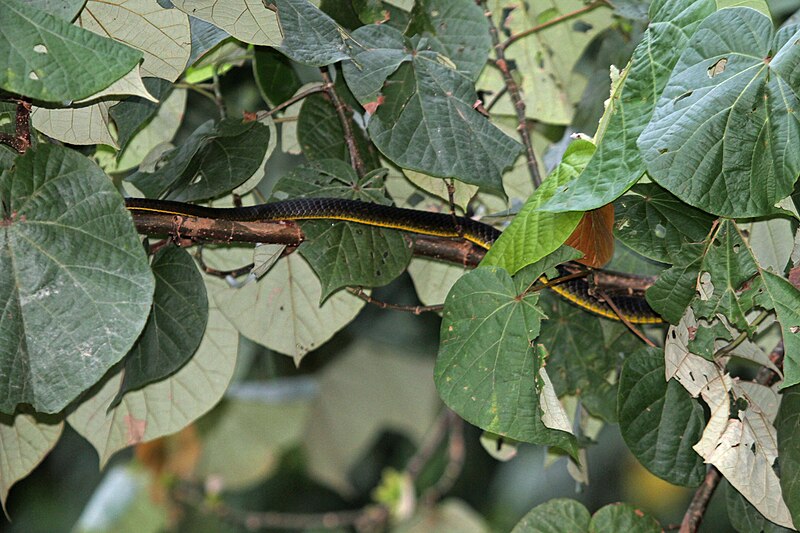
x=436 y=105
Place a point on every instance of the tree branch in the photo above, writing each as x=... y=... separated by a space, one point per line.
x=552 y=22
x=516 y=98
x=349 y=138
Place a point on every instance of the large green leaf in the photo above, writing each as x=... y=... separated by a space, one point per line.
x=616 y=164
x=276 y=78
x=24 y=441
x=785 y=299
x=656 y=224
x=215 y=159
x=788 y=426
x=623 y=517
x=725 y=267
x=721 y=132
x=426 y=121
x=74 y=280
x=487 y=369
x=676 y=287
x=556 y=516
x=163 y=407
x=457 y=29
x=582 y=355
x=49 y=59
x=659 y=420
x=176 y=323
x=534 y=234
x=321 y=135
x=310 y=36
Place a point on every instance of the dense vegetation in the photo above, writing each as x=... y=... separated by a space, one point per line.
x=653 y=138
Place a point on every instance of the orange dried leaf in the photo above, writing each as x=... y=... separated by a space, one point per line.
x=594 y=236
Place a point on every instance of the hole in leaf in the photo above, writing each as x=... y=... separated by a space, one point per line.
x=717 y=68
x=40 y=49
x=582 y=27
x=663 y=151
x=660 y=231
x=687 y=94
x=736 y=248
x=32 y=75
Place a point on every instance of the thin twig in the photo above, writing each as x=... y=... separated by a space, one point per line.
x=369 y=517
x=697 y=507
x=218 y=93
x=414 y=309
x=496 y=97
x=552 y=22
x=728 y=348
x=610 y=301
x=516 y=98
x=292 y=100
x=349 y=138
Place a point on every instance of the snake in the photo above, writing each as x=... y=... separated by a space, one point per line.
x=578 y=290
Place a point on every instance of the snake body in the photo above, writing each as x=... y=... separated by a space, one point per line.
x=578 y=290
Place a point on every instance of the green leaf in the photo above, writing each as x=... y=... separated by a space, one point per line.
x=719 y=135
x=26 y=439
x=276 y=79
x=487 y=369
x=74 y=280
x=321 y=135
x=788 y=426
x=656 y=224
x=581 y=357
x=165 y=406
x=659 y=420
x=176 y=323
x=353 y=254
x=676 y=287
x=616 y=164
x=132 y=114
x=556 y=516
x=49 y=59
x=215 y=159
x=534 y=234
x=248 y=21
x=426 y=121
x=746 y=518
x=725 y=267
x=786 y=301
x=457 y=29
x=63 y=9
x=623 y=517
x=310 y=36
